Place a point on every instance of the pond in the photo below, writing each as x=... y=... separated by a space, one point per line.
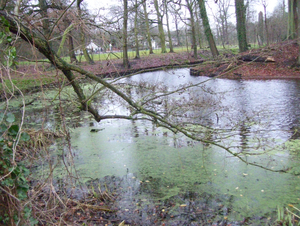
x=256 y=118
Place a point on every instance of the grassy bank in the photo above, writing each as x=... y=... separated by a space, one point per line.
x=36 y=74
x=11 y=86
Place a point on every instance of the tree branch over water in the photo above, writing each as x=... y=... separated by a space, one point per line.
x=69 y=70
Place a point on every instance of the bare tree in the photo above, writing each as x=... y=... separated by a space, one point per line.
x=165 y=3
x=240 y=11
x=265 y=4
x=125 y=36
x=137 y=51
x=176 y=17
x=222 y=18
x=162 y=36
x=147 y=27
x=82 y=35
x=292 y=19
x=207 y=30
x=190 y=7
x=260 y=29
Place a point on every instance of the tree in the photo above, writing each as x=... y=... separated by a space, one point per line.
x=125 y=24
x=260 y=29
x=165 y=2
x=176 y=122
x=72 y=55
x=162 y=36
x=176 y=17
x=189 y=4
x=292 y=19
x=207 y=30
x=222 y=18
x=147 y=27
x=198 y=28
x=264 y=3
x=82 y=35
x=137 y=52
x=68 y=34
x=240 y=11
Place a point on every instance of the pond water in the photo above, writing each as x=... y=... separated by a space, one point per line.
x=256 y=117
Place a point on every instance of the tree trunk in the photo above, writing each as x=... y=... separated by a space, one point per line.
x=72 y=55
x=298 y=30
x=296 y=22
x=45 y=19
x=137 y=51
x=147 y=28
x=33 y=37
x=260 y=30
x=292 y=19
x=82 y=37
x=241 y=25
x=67 y=34
x=266 y=24
x=168 y=27
x=177 y=31
x=192 y=20
x=207 y=30
x=160 y=28
x=198 y=29
x=223 y=6
x=125 y=47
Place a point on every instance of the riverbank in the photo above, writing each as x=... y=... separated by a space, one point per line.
x=29 y=78
x=276 y=61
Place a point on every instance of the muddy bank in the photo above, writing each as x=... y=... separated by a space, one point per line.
x=276 y=61
x=104 y=69
x=114 y=68
x=112 y=200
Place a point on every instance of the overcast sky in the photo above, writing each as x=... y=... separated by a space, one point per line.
x=94 y=5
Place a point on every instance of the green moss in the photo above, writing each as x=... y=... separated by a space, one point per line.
x=24 y=84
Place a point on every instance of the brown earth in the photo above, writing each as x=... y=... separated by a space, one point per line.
x=112 y=68
x=281 y=66
x=227 y=66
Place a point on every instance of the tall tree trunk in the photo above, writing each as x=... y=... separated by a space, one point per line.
x=168 y=27
x=266 y=24
x=260 y=30
x=125 y=47
x=82 y=37
x=67 y=34
x=296 y=16
x=137 y=51
x=72 y=55
x=177 y=30
x=45 y=19
x=298 y=31
x=223 y=6
x=198 y=29
x=192 y=20
x=241 y=25
x=160 y=28
x=207 y=30
x=292 y=19
x=147 y=27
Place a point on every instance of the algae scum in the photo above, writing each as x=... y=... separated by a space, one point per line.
x=184 y=179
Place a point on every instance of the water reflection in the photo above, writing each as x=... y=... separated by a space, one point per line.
x=242 y=114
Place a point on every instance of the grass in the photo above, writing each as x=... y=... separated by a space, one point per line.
x=110 y=56
x=24 y=84
x=288 y=217
x=234 y=49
